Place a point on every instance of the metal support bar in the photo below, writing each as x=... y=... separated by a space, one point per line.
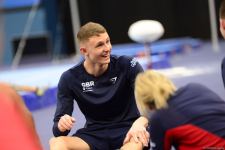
x=75 y=22
x=213 y=26
x=25 y=34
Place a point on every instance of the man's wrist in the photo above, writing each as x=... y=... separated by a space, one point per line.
x=141 y=121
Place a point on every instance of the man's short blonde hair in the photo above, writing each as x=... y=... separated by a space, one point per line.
x=152 y=87
x=222 y=9
x=88 y=30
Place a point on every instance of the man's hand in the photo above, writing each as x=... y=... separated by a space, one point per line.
x=138 y=132
x=66 y=122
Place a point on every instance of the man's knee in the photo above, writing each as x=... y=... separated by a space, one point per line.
x=56 y=142
x=132 y=145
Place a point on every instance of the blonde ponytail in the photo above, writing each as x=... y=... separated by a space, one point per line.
x=152 y=87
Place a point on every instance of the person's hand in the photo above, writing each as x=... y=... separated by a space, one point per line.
x=66 y=122
x=137 y=133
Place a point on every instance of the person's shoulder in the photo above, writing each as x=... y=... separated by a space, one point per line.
x=195 y=86
x=73 y=71
x=123 y=59
x=197 y=89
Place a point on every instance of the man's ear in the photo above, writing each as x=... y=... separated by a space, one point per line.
x=83 y=50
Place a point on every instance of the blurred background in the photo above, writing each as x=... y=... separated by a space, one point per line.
x=37 y=43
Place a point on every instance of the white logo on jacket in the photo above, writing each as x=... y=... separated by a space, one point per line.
x=113 y=80
x=133 y=62
x=88 y=86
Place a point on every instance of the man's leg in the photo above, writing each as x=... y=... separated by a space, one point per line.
x=132 y=145
x=68 y=143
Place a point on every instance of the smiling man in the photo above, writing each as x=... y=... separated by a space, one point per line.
x=103 y=87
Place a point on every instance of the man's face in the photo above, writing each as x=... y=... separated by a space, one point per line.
x=97 y=49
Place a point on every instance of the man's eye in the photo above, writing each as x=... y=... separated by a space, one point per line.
x=99 y=45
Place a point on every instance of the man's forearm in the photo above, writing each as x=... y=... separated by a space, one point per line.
x=141 y=121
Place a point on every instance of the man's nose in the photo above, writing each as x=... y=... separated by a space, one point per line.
x=108 y=47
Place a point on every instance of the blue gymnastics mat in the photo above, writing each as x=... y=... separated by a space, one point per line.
x=167 y=47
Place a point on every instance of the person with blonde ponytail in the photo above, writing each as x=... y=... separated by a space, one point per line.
x=189 y=117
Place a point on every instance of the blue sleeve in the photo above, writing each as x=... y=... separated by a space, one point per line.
x=65 y=103
x=133 y=69
x=157 y=133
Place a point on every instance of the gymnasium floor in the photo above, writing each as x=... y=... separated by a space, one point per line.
x=200 y=64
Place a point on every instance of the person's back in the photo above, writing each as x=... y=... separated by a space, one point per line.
x=190 y=117
x=194 y=119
